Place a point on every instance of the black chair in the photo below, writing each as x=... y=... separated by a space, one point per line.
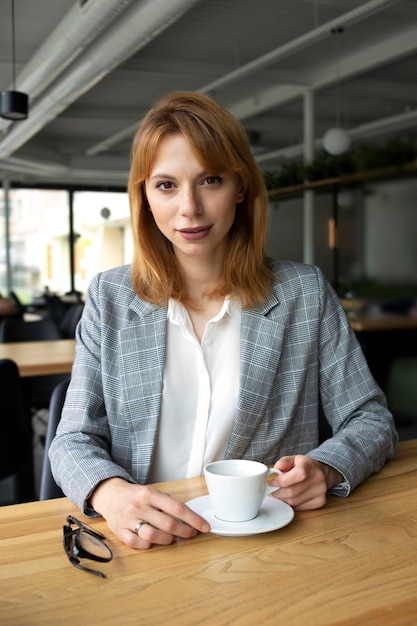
x=49 y=489
x=15 y=298
x=56 y=307
x=70 y=320
x=10 y=316
x=9 y=309
x=16 y=450
x=38 y=388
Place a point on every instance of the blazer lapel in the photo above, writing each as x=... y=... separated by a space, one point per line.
x=142 y=350
x=260 y=349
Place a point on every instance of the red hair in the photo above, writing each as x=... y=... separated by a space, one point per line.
x=220 y=144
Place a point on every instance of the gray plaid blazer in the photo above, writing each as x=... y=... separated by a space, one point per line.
x=297 y=351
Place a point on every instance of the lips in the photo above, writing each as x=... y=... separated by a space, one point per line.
x=195 y=234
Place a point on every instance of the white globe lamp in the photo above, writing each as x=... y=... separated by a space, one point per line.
x=345 y=199
x=336 y=141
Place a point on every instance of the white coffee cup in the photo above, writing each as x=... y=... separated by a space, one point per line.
x=237 y=488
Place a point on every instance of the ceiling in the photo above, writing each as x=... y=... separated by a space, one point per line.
x=93 y=67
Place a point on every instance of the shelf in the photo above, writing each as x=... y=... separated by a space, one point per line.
x=395 y=171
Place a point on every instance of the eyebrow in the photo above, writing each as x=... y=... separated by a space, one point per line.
x=160 y=175
x=171 y=176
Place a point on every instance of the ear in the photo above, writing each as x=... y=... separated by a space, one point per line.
x=240 y=196
x=145 y=199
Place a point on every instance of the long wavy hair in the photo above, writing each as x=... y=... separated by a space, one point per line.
x=220 y=144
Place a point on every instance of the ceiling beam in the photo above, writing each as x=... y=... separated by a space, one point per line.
x=298 y=44
x=271 y=97
x=136 y=27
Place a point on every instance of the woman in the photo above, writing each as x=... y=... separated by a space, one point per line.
x=205 y=349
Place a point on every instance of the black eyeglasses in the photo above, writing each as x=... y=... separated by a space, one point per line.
x=85 y=543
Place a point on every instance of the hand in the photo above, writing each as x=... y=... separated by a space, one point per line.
x=304 y=482
x=123 y=505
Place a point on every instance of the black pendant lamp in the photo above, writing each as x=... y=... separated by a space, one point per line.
x=13 y=104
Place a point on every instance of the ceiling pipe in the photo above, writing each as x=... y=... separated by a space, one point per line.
x=300 y=43
x=292 y=47
x=29 y=171
x=72 y=36
x=138 y=25
x=308 y=39
x=390 y=124
x=25 y=166
x=113 y=140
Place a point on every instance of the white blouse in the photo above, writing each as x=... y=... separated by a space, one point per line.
x=200 y=392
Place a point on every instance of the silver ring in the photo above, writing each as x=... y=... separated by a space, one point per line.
x=138 y=527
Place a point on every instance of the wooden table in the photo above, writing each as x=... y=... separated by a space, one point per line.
x=39 y=358
x=362 y=320
x=353 y=562
x=382 y=322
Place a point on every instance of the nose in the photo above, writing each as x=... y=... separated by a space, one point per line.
x=190 y=202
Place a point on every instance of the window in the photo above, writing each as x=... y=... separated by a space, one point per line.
x=40 y=254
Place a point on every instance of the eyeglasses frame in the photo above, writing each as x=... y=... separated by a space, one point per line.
x=75 y=551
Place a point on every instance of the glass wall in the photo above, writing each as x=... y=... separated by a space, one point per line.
x=41 y=254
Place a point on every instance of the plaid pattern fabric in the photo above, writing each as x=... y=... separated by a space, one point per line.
x=296 y=350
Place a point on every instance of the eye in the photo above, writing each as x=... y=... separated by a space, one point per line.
x=212 y=180
x=165 y=185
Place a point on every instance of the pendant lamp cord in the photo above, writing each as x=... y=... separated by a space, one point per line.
x=337 y=31
x=13 y=50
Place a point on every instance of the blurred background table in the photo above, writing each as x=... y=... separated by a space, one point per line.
x=381 y=322
x=40 y=358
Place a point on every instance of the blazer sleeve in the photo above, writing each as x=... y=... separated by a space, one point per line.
x=80 y=453
x=364 y=435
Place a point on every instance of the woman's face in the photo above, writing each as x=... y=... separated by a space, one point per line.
x=192 y=207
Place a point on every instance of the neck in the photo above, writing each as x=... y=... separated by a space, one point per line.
x=199 y=276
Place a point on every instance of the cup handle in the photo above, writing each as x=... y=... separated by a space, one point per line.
x=271 y=488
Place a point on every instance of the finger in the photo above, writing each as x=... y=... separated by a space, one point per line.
x=145 y=539
x=174 y=517
x=285 y=463
x=173 y=526
x=164 y=512
x=302 y=496
x=150 y=535
x=292 y=480
x=311 y=503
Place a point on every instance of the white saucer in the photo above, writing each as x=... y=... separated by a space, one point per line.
x=273 y=514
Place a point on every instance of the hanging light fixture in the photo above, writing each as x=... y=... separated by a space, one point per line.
x=13 y=104
x=336 y=140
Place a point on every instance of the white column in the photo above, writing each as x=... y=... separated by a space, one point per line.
x=6 y=189
x=308 y=235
